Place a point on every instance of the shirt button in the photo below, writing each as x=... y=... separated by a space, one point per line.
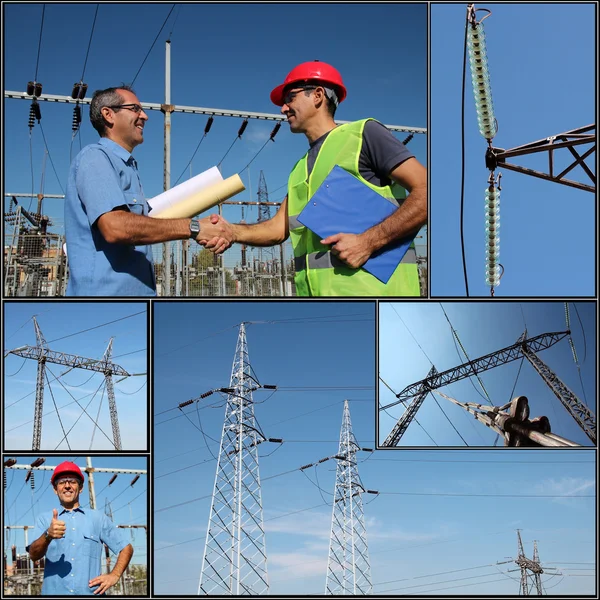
x=72 y=544
x=134 y=200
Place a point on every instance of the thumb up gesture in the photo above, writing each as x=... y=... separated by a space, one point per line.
x=57 y=528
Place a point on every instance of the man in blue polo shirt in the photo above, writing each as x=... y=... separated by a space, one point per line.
x=107 y=227
x=72 y=541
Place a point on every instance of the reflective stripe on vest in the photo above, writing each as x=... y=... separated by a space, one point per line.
x=293 y=222
x=328 y=260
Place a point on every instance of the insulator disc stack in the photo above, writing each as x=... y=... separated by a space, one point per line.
x=481 y=81
x=492 y=230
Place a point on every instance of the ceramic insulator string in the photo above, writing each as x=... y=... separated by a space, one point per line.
x=492 y=230
x=481 y=81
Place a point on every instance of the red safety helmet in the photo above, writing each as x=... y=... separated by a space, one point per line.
x=311 y=71
x=66 y=467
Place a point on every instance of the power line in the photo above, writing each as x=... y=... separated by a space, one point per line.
x=50 y=157
x=90 y=42
x=97 y=327
x=37 y=62
x=152 y=46
x=409 y=331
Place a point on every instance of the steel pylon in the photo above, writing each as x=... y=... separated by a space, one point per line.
x=526 y=565
x=42 y=348
x=348 y=568
x=235 y=556
x=110 y=390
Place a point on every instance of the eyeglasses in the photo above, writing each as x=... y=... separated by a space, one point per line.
x=136 y=108
x=289 y=96
x=70 y=480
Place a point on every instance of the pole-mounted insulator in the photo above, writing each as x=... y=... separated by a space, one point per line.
x=186 y=403
x=269 y=387
x=4 y=478
x=34 y=89
x=243 y=128
x=227 y=390
x=306 y=466
x=407 y=139
x=276 y=440
x=32 y=480
x=208 y=124
x=275 y=130
x=76 y=117
x=134 y=480
x=206 y=394
x=367 y=449
x=372 y=492
x=112 y=479
x=79 y=90
x=323 y=460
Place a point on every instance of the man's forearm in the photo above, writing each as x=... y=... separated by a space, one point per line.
x=405 y=221
x=258 y=234
x=122 y=560
x=122 y=227
x=39 y=548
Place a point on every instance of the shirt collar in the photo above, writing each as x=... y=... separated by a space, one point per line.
x=118 y=150
x=78 y=509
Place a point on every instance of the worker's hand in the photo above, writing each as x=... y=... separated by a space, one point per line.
x=57 y=528
x=353 y=249
x=104 y=582
x=222 y=234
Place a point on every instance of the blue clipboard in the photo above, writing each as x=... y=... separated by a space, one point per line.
x=343 y=204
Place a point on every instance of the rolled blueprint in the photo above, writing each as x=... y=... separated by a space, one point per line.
x=203 y=200
x=184 y=190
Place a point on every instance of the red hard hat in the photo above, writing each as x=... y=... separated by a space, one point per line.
x=66 y=467
x=311 y=71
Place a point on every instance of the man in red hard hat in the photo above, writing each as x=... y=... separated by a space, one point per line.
x=72 y=541
x=309 y=97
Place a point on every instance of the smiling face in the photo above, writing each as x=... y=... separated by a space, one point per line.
x=298 y=107
x=68 y=489
x=127 y=126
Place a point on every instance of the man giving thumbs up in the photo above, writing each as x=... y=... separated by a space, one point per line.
x=73 y=546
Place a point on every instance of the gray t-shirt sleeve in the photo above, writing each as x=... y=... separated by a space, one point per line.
x=381 y=153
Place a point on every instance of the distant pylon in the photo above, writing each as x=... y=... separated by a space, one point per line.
x=235 y=556
x=112 y=404
x=39 y=386
x=528 y=565
x=348 y=568
x=264 y=211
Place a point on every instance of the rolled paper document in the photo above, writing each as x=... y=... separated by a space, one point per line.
x=203 y=200
x=185 y=190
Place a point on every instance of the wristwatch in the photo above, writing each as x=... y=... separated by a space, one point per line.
x=47 y=535
x=194 y=228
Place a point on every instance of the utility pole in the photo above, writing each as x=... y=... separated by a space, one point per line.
x=235 y=556
x=167 y=109
x=348 y=568
x=42 y=353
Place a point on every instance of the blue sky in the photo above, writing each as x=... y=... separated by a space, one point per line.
x=58 y=320
x=482 y=327
x=331 y=346
x=208 y=70
x=22 y=505
x=539 y=88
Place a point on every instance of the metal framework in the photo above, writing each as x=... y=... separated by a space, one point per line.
x=348 y=568
x=527 y=564
x=44 y=355
x=235 y=555
x=584 y=417
x=497 y=157
x=416 y=392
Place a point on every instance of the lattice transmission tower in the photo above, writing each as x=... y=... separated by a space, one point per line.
x=526 y=565
x=348 y=568
x=42 y=353
x=235 y=555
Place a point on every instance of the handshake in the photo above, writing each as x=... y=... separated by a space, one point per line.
x=216 y=234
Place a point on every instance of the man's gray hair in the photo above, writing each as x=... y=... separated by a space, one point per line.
x=108 y=97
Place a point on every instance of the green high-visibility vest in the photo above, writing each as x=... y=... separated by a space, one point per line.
x=318 y=271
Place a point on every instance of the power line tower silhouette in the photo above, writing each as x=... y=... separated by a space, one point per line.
x=526 y=565
x=348 y=568
x=235 y=555
x=264 y=210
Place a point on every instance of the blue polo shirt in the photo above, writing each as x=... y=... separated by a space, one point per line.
x=104 y=176
x=75 y=559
